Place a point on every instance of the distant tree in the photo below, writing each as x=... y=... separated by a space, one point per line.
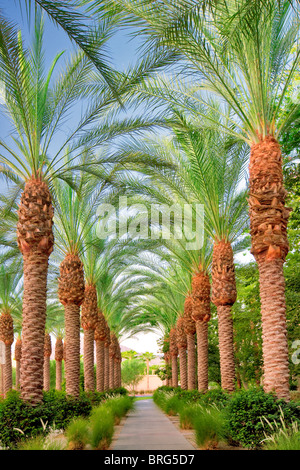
x=132 y=370
x=130 y=354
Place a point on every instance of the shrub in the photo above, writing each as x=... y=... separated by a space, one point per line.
x=245 y=412
x=172 y=405
x=18 y=419
x=187 y=415
x=77 y=434
x=210 y=427
x=119 y=407
x=283 y=440
x=101 y=425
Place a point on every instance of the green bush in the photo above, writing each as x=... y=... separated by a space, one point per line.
x=119 y=407
x=77 y=433
x=245 y=412
x=187 y=415
x=210 y=427
x=19 y=420
x=101 y=424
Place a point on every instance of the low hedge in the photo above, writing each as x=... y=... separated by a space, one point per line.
x=247 y=413
x=19 y=419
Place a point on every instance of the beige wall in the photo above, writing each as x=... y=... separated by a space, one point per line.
x=154 y=383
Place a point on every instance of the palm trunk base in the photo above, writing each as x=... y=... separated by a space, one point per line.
x=274 y=329
x=227 y=363
x=202 y=355
x=191 y=362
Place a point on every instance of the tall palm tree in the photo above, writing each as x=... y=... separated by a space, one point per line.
x=246 y=54
x=36 y=106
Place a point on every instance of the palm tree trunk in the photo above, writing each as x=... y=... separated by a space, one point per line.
x=8 y=382
x=111 y=371
x=191 y=353
x=226 y=346
x=58 y=374
x=174 y=371
x=268 y=228
x=17 y=375
x=47 y=354
x=89 y=320
x=201 y=315
x=106 y=367
x=88 y=360
x=71 y=290
x=100 y=365
x=46 y=373
x=72 y=342
x=33 y=327
x=274 y=331
x=116 y=372
x=59 y=355
x=183 y=368
x=224 y=296
x=202 y=354
x=35 y=241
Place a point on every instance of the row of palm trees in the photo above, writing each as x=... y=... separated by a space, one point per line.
x=243 y=54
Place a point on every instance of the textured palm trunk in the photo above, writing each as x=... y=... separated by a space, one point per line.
x=174 y=371
x=33 y=328
x=116 y=372
x=202 y=355
x=174 y=354
x=59 y=355
x=35 y=241
x=274 y=331
x=100 y=357
x=88 y=360
x=107 y=359
x=71 y=295
x=18 y=356
x=201 y=315
x=268 y=228
x=190 y=330
x=72 y=360
x=111 y=371
x=100 y=337
x=7 y=336
x=169 y=364
x=47 y=354
x=191 y=362
x=89 y=318
x=8 y=382
x=224 y=296
x=182 y=345
x=106 y=367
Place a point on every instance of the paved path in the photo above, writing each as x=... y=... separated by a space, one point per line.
x=147 y=428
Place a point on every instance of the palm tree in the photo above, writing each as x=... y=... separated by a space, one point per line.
x=148 y=356
x=246 y=54
x=35 y=106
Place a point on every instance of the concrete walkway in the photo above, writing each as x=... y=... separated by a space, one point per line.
x=147 y=428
